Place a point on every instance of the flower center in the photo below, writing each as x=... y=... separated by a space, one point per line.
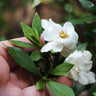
x=63 y=35
x=76 y=69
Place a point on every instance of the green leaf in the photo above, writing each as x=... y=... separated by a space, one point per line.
x=62 y=69
x=82 y=47
x=35 y=3
x=59 y=89
x=27 y=31
x=94 y=93
x=36 y=23
x=31 y=34
x=89 y=18
x=21 y=44
x=41 y=84
x=88 y=5
x=23 y=59
x=92 y=90
x=36 y=55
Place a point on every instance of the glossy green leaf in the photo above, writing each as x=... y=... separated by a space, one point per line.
x=36 y=23
x=82 y=47
x=59 y=89
x=28 y=32
x=87 y=4
x=62 y=69
x=41 y=84
x=23 y=59
x=36 y=55
x=21 y=44
x=89 y=18
x=31 y=34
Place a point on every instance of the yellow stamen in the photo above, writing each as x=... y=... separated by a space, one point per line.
x=63 y=35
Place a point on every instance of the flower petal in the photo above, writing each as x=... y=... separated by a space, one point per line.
x=83 y=78
x=75 y=58
x=44 y=23
x=86 y=66
x=87 y=55
x=57 y=27
x=86 y=77
x=79 y=58
x=91 y=77
x=47 y=47
x=49 y=35
x=56 y=47
x=68 y=27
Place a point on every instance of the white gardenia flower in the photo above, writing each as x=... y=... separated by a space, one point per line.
x=82 y=65
x=60 y=39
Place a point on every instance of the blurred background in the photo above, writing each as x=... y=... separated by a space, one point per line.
x=82 y=14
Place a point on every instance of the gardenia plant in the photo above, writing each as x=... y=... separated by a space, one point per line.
x=49 y=60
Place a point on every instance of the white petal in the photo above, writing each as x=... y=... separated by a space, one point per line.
x=83 y=78
x=86 y=77
x=49 y=35
x=86 y=66
x=74 y=75
x=68 y=27
x=47 y=47
x=87 y=55
x=75 y=58
x=79 y=58
x=44 y=23
x=55 y=46
x=91 y=77
x=57 y=27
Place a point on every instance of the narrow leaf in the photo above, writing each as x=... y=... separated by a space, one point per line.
x=62 y=69
x=29 y=33
x=41 y=84
x=23 y=59
x=59 y=89
x=36 y=23
x=26 y=29
x=21 y=44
